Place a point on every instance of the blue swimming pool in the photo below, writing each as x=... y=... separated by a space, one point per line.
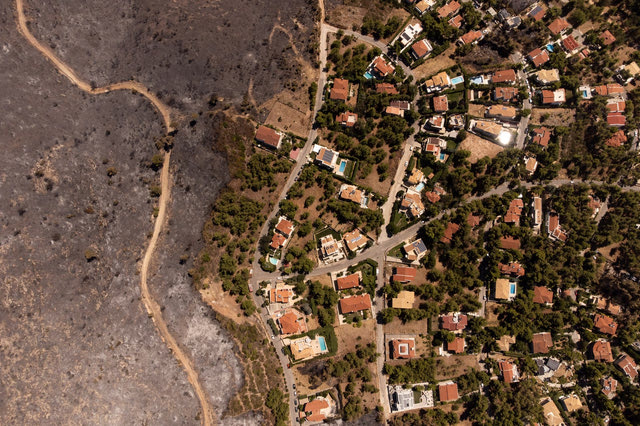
x=512 y=291
x=273 y=260
x=442 y=156
x=477 y=80
x=550 y=47
x=323 y=344
x=457 y=80
x=343 y=165
x=368 y=76
x=420 y=186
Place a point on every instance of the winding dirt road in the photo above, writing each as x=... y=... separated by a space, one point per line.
x=150 y=304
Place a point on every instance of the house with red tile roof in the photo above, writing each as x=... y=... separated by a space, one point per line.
x=285 y=227
x=386 y=88
x=456 y=21
x=537 y=11
x=449 y=9
x=553 y=97
x=340 y=90
x=504 y=76
x=277 y=241
x=570 y=44
x=607 y=38
x=456 y=346
x=280 y=294
x=433 y=197
x=404 y=274
x=353 y=304
x=393 y=110
x=601 y=351
x=554 y=230
x=542 y=295
x=558 y=26
x=505 y=94
x=315 y=410
x=355 y=240
x=453 y=322
x=473 y=220
x=347 y=118
x=616 y=119
x=382 y=68
x=609 y=386
x=440 y=103
x=502 y=112
x=509 y=371
x=514 y=269
x=412 y=205
x=421 y=49
x=292 y=322
x=448 y=392
x=451 y=229
x=539 y=57
x=627 y=365
x=541 y=136
x=269 y=137
x=514 y=212
x=605 y=324
x=470 y=37
x=402 y=348
x=611 y=89
x=541 y=342
x=349 y=281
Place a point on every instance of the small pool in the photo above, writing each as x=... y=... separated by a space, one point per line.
x=273 y=260
x=477 y=80
x=513 y=289
x=457 y=80
x=420 y=187
x=343 y=165
x=368 y=76
x=442 y=156
x=550 y=47
x=323 y=344
x=585 y=94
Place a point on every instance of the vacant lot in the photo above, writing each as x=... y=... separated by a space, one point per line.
x=348 y=16
x=553 y=116
x=433 y=65
x=479 y=147
x=477 y=110
x=448 y=367
x=349 y=336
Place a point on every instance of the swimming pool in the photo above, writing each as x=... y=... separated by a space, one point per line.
x=512 y=289
x=273 y=260
x=368 y=76
x=477 y=80
x=550 y=47
x=420 y=187
x=585 y=94
x=323 y=344
x=457 y=80
x=343 y=165
x=442 y=156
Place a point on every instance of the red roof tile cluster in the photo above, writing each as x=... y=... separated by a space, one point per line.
x=421 y=48
x=381 y=67
x=514 y=212
x=268 y=136
x=618 y=139
x=451 y=229
x=541 y=343
x=611 y=89
x=542 y=295
x=347 y=119
x=504 y=76
x=601 y=351
x=386 y=88
x=314 y=408
x=558 y=25
x=355 y=304
x=433 y=197
x=609 y=386
x=570 y=44
x=285 y=227
x=513 y=268
x=440 y=103
x=605 y=324
x=510 y=243
x=456 y=345
x=627 y=365
x=538 y=12
x=448 y=9
x=473 y=220
x=542 y=136
x=340 y=89
x=508 y=370
x=508 y=94
x=448 y=392
x=608 y=38
x=454 y=322
x=350 y=281
x=403 y=348
x=280 y=295
x=404 y=274
x=277 y=241
x=456 y=21
x=470 y=37
x=291 y=323
x=539 y=57
x=554 y=229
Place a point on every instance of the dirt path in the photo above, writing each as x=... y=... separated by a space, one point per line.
x=150 y=304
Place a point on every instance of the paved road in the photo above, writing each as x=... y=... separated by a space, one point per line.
x=524 y=121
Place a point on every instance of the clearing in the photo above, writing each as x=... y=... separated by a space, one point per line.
x=552 y=116
x=433 y=65
x=479 y=147
x=448 y=367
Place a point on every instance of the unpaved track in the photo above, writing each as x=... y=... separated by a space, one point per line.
x=150 y=304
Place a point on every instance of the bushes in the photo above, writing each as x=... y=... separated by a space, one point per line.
x=279 y=408
x=415 y=371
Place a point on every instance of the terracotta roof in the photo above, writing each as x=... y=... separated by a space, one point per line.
x=355 y=240
x=609 y=386
x=417 y=175
x=607 y=37
x=601 y=351
x=412 y=203
x=456 y=345
x=454 y=322
x=537 y=12
x=350 y=281
x=502 y=111
x=280 y=295
x=627 y=365
x=470 y=37
x=285 y=227
x=439 y=80
x=277 y=241
x=510 y=243
x=616 y=119
x=553 y=96
x=451 y=229
x=542 y=295
x=448 y=392
x=381 y=67
x=541 y=342
x=291 y=323
x=404 y=274
x=268 y=136
x=514 y=212
x=618 y=139
x=351 y=193
x=421 y=48
x=403 y=348
x=508 y=370
x=570 y=43
x=347 y=118
x=355 y=304
x=456 y=21
x=559 y=25
x=473 y=220
x=314 y=407
x=440 y=103
x=542 y=136
x=432 y=197
x=513 y=268
x=504 y=76
x=509 y=94
x=392 y=110
x=387 y=88
x=539 y=57
x=616 y=106
x=605 y=324
x=448 y=9
x=340 y=89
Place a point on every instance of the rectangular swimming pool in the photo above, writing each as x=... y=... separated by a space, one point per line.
x=512 y=290
x=420 y=187
x=457 y=80
x=343 y=165
x=368 y=76
x=323 y=344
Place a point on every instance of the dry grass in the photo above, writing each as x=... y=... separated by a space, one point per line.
x=286 y=117
x=349 y=336
x=479 y=147
x=414 y=327
x=456 y=365
x=557 y=116
x=477 y=110
x=222 y=302
x=490 y=314
x=347 y=17
x=606 y=251
x=433 y=65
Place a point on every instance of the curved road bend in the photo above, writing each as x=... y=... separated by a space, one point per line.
x=150 y=304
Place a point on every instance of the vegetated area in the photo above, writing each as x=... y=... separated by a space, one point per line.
x=80 y=177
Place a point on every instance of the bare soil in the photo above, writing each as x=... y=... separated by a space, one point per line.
x=454 y=366
x=479 y=147
x=477 y=110
x=434 y=65
x=557 y=116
